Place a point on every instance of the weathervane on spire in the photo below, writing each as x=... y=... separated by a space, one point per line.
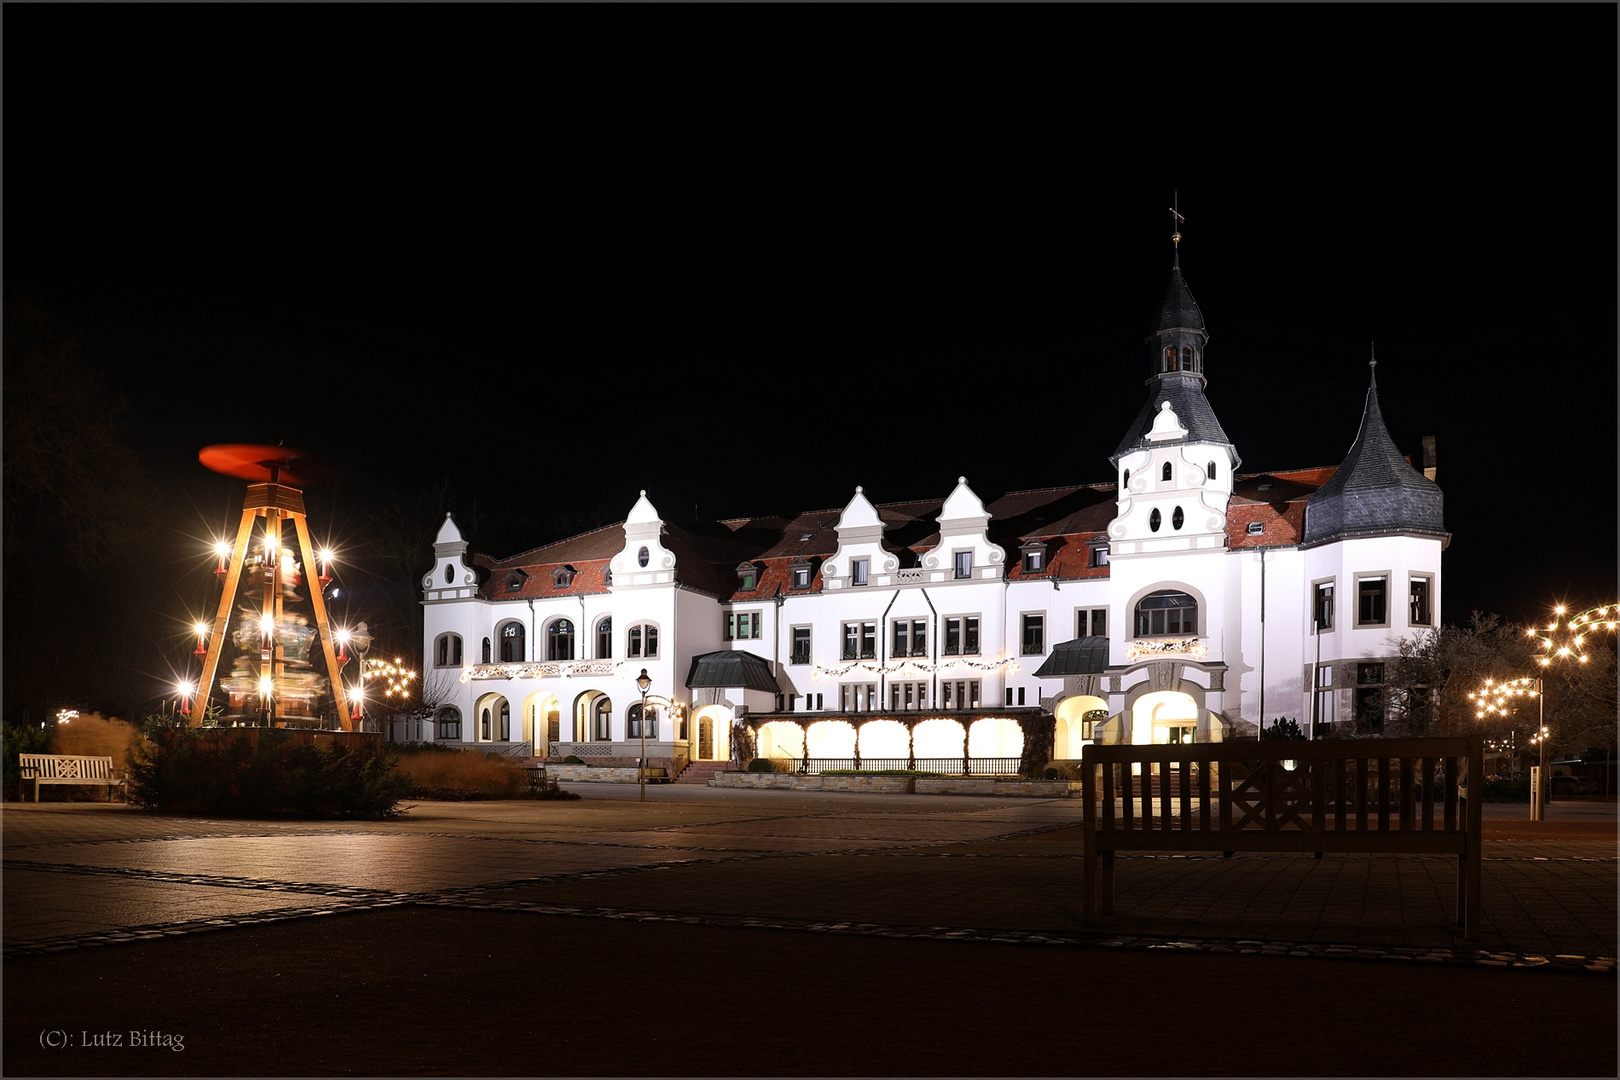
x=1175 y=237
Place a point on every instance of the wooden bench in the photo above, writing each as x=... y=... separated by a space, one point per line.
x=1342 y=795
x=69 y=769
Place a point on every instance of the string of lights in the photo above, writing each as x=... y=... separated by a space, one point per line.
x=1566 y=635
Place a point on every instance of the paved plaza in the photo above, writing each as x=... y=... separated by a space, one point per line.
x=539 y=911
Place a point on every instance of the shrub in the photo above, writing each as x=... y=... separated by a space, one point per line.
x=770 y=765
x=22 y=739
x=455 y=775
x=573 y=759
x=1508 y=788
x=218 y=771
x=95 y=736
x=1283 y=729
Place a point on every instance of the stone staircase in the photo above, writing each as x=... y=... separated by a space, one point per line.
x=698 y=772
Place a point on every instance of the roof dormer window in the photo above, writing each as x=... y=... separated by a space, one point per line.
x=515 y=580
x=562 y=577
x=747 y=576
x=799 y=574
x=1034 y=557
x=1255 y=528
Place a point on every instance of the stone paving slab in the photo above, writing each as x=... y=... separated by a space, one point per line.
x=903 y=865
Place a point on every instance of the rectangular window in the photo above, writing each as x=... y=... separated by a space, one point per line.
x=1034 y=560
x=1371 y=595
x=1011 y=694
x=962 y=635
x=1034 y=635
x=1099 y=556
x=859 y=570
x=801 y=577
x=801 y=645
x=1324 y=606
x=742 y=625
x=860 y=641
x=945 y=695
x=1421 y=612
x=1369 y=698
x=964 y=564
x=1324 y=700
x=1091 y=622
x=910 y=637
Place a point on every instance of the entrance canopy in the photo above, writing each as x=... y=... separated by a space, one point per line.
x=1082 y=656
x=732 y=667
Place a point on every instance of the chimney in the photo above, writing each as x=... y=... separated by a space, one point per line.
x=1428 y=456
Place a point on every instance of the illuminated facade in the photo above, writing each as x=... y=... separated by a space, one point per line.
x=1182 y=600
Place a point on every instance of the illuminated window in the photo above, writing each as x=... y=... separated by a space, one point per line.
x=1166 y=612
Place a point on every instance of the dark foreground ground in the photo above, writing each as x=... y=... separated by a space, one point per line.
x=610 y=937
x=427 y=991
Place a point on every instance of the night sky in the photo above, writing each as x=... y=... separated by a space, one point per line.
x=525 y=261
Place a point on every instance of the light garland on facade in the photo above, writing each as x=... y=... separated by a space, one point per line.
x=1565 y=635
x=556 y=669
x=1187 y=646
x=910 y=666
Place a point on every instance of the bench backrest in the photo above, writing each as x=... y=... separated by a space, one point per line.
x=1335 y=785
x=65 y=767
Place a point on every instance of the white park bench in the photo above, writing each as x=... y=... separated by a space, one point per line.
x=69 y=769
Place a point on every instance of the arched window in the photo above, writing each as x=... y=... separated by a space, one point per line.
x=506 y=721
x=642 y=642
x=604 y=639
x=1154 y=519
x=483 y=728
x=1169 y=359
x=634 y=716
x=1164 y=473
x=486 y=650
x=447 y=651
x=512 y=643
x=1127 y=481
x=560 y=640
x=1212 y=470
x=449 y=723
x=1166 y=612
x=602 y=719
x=1176 y=518
x=1187 y=358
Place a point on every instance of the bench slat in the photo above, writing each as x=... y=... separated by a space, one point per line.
x=1259 y=805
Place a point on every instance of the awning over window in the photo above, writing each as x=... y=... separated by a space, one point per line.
x=1082 y=656
x=733 y=667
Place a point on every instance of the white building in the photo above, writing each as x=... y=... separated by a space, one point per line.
x=1183 y=600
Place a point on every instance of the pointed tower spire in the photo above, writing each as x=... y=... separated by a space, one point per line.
x=1375 y=491
x=1176 y=340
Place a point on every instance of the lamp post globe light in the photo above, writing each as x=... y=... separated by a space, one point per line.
x=644 y=684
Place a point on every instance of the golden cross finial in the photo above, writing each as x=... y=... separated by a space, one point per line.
x=1175 y=237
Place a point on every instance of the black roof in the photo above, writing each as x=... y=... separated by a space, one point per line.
x=1082 y=656
x=732 y=667
x=1179 y=310
x=1375 y=492
x=1185 y=393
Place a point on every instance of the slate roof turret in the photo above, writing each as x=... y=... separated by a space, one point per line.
x=1375 y=492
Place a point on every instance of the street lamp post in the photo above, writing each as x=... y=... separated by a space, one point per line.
x=645 y=684
x=1493 y=697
